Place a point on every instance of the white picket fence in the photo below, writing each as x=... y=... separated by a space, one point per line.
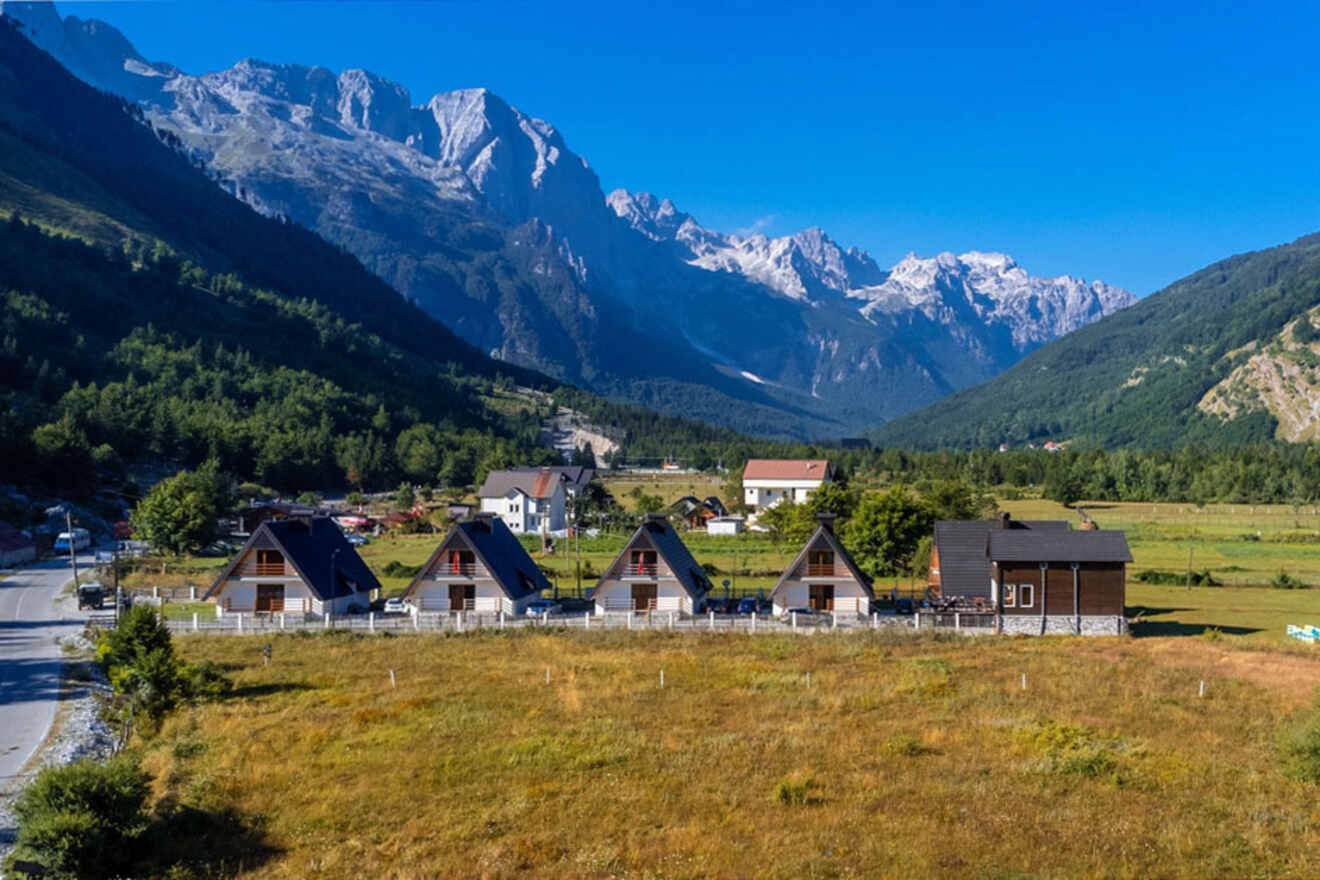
x=436 y=622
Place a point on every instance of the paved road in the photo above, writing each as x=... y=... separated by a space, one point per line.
x=30 y=658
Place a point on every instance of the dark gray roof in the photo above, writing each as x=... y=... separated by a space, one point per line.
x=528 y=481
x=675 y=553
x=829 y=539
x=576 y=477
x=308 y=544
x=1082 y=545
x=963 y=547
x=499 y=551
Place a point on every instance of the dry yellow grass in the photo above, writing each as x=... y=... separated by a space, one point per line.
x=907 y=757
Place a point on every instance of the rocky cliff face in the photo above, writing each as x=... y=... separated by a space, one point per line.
x=484 y=216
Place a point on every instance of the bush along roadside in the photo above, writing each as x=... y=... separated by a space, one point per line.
x=91 y=819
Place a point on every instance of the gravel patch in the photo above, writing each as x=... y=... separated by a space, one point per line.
x=79 y=730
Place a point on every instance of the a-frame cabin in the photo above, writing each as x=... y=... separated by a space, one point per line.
x=823 y=577
x=479 y=567
x=654 y=572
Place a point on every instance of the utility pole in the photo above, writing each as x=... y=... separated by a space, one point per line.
x=1189 y=568
x=73 y=547
x=577 y=540
x=114 y=567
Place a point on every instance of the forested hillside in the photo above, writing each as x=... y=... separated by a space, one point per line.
x=1136 y=378
x=151 y=317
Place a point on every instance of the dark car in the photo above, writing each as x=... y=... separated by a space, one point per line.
x=904 y=606
x=720 y=605
x=752 y=605
x=91 y=596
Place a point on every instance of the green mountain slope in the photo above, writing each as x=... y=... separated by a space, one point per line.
x=151 y=319
x=1138 y=378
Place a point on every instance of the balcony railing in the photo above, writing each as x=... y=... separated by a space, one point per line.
x=462 y=569
x=820 y=569
x=641 y=569
x=268 y=569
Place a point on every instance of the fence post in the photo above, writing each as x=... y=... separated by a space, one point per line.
x=753 y=621
x=586 y=620
x=417 y=620
x=794 y=620
x=194 y=621
x=712 y=621
x=327 y=620
x=192 y=592
x=630 y=617
x=501 y=618
x=458 y=622
x=545 y=618
x=875 y=620
x=834 y=622
x=957 y=620
x=671 y=620
x=155 y=592
x=240 y=622
x=371 y=621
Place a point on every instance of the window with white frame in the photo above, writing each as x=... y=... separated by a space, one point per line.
x=1026 y=595
x=1010 y=595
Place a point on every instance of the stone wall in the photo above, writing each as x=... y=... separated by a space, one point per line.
x=1055 y=624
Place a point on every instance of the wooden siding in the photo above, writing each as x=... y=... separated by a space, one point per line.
x=1101 y=587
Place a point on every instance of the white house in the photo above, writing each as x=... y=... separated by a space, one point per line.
x=823 y=577
x=768 y=481
x=527 y=501
x=296 y=566
x=479 y=566
x=654 y=572
x=725 y=525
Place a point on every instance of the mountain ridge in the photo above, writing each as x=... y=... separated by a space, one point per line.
x=483 y=216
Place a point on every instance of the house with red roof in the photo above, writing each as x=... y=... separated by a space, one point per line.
x=529 y=501
x=769 y=481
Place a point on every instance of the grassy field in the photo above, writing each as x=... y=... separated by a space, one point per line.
x=906 y=757
x=670 y=488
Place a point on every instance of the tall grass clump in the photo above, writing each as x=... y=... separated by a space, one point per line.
x=1299 y=746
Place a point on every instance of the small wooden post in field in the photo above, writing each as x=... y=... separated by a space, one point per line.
x=1201 y=693
x=808 y=679
x=662 y=679
x=1024 y=681
x=392 y=683
x=547 y=675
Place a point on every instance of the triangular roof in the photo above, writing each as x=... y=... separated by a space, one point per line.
x=308 y=545
x=656 y=531
x=825 y=535
x=498 y=550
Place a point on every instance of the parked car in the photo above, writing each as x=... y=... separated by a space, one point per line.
x=544 y=606
x=357 y=540
x=751 y=604
x=904 y=606
x=91 y=596
x=800 y=612
x=718 y=604
x=396 y=605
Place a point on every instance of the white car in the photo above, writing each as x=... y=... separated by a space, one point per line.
x=396 y=605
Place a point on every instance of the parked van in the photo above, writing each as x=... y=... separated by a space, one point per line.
x=80 y=539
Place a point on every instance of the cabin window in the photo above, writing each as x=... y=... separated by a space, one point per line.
x=1026 y=595
x=1010 y=595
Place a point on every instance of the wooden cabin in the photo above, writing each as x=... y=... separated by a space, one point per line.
x=823 y=577
x=654 y=572
x=1034 y=576
x=481 y=567
x=299 y=565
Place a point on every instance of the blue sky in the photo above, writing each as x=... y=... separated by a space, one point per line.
x=1133 y=143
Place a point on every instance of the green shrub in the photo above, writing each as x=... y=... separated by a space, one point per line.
x=138 y=657
x=904 y=746
x=792 y=792
x=205 y=681
x=81 y=820
x=1178 y=578
x=396 y=569
x=1285 y=581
